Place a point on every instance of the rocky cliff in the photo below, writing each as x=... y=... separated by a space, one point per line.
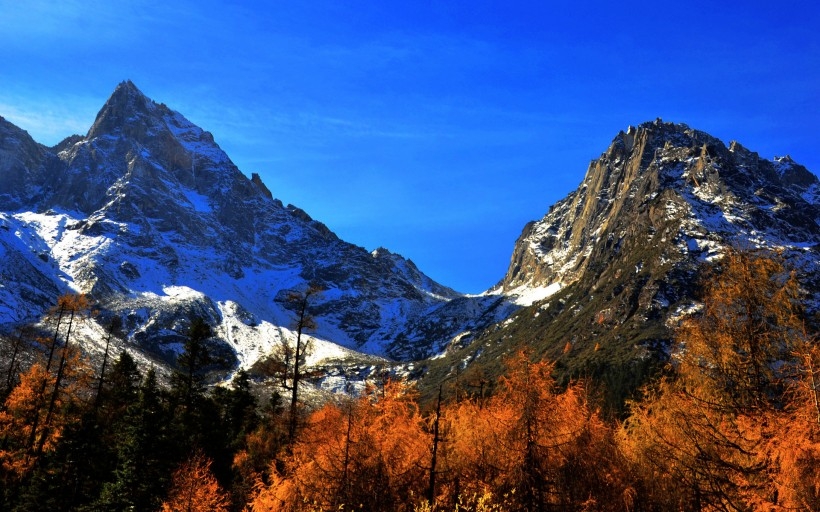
x=660 y=173
x=148 y=216
x=619 y=257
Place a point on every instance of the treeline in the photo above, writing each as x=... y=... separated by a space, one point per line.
x=108 y=436
x=732 y=424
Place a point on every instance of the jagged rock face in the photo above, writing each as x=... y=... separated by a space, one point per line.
x=668 y=177
x=24 y=165
x=151 y=218
x=622 y=254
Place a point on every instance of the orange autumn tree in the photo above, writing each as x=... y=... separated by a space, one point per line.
x=37 y=411
x=792 y=454
x=17 y=426
x=195 y=489
x=734 y=351
x=699 y=436
x=78 y=308
x=530 y=446
x=368 y=454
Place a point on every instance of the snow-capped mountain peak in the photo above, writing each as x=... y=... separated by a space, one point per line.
x=671 y=173
x=152 y=219
x=147 y=215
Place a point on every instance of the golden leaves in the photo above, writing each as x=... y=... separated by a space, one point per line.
x=194 y=488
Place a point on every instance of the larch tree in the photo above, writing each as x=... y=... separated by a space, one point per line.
x=292 y=358
x=699 y=435
x=195 y=489
x=37 y=409
x=75 y=306
x=34 y=415
x=370 y=454
x=792 y=444
x=17 y=426
x=532 y=445
x=739 y=348
x=79 y=308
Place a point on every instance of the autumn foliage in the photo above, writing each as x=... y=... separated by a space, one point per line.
x=732 y=423
x=532 y=444
x=195 y=489
x=39 y=407
x=529 y=446
x=368 y=453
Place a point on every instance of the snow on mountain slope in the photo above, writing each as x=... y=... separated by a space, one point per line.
x=612 y=268
x=148 y=216
x=717 y=195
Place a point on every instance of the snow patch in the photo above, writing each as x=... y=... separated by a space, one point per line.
x=527 y=295
x=199 y=201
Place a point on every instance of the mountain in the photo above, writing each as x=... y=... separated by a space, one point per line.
x=662 y=172
x=149 y=217
x=618 y=258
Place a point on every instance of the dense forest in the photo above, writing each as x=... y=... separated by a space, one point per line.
x=732 y=423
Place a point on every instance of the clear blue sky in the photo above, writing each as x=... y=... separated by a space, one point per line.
x=435 y=129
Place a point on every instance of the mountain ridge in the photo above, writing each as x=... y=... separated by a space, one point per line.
x=150 y=217
x=613 y=170
x=619 y=257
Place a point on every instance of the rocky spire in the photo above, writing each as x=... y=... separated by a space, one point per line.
x=126 y=105
x=665 y=174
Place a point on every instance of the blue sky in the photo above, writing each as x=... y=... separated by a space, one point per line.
x=435 y=129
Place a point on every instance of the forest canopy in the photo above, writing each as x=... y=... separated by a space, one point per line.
x=731 y=423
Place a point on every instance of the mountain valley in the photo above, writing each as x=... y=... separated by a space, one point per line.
x=150 y=218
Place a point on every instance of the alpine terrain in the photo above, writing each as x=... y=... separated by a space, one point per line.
x=150 y=218
x=619 y=257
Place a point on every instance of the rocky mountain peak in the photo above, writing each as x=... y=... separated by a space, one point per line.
x=614 y=266
x=130 y=122
x=152 y=219
x=658 y=173
x=140 y=157
x=126 y=106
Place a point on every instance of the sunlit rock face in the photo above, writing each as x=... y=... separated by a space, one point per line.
x=147 y=215
x=666 y=184
x=150 y=217
x=612 y=268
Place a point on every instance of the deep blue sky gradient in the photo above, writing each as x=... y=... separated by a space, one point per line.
x=435 y=129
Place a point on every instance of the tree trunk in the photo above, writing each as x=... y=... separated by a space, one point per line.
x=431 y=489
